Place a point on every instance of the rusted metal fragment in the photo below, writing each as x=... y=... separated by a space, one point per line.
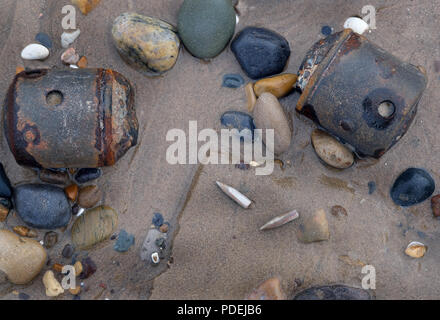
x=78 y=118
x=358 y=92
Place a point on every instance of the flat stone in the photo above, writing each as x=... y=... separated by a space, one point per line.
x=42 y=206
x=331 y=151
x=87 y=174
x=70 y=56
x=89 y=196
x=314 y=227
x=260 y=52
x=94 y=226
x=67 y=38
x=50 y=239
x=44 y=39
x=232 y=80
x=21 y=259
x=54 y=177
x=35 y=51
x=206 y=26
x=269 y=290
x=333 y=292
x=240 y=121
x=5 y=184
x=124 y=242
x=279 y=86
x=269 y=114
x=145 y=42
x=413 y=186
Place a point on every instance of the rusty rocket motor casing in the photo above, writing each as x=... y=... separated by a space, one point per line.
x=79 y=118
x=358 y=92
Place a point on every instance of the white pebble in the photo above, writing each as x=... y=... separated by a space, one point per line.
x=68 y=38
x=35 y=51
x=356 y=24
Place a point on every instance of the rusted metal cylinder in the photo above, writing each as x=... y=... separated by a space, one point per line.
x=358 y=92
x=79 y=118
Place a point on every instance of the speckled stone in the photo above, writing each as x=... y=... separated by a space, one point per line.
x=413 y=186
x=206 y=26
x=42 y=206
x=260 y=52
x=331 y=151
x=333 y=292
x=94 y=226
x=21 y=259
x=146 y=42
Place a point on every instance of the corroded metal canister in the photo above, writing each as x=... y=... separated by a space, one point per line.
x=358 y=92
x=79 y=118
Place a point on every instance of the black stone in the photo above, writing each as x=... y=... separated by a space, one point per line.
x=42 y=206
x=413 y=186
x=44 y=39
x=6 y=203
x=68 y=251
x=238 y=120
x=371 y=187
x=260 y=52
x=333 y=292
x=23 y=296
x=87 y=174
x=232 y=80
x=5 y=184
x=89 y=268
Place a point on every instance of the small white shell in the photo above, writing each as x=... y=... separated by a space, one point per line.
x=155 y=258
x=280 y=220
x=235 y=195
x=356 y=24
x=35 y=51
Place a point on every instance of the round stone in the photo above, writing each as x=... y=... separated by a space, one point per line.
x=42 y=206
x=21 y=259
x=413 y=186
x=206 y=26
x=145 y=42
x=94 y=226
x=260 y=52
x=331 y=151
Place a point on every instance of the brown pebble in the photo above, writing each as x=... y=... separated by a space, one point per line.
x=50 y=239
x=268 y=290
x=70 y=56
x=25 y=232
x=435 y=205
x=338 y=210
x=75 y=291
x=57 y=267
x=89 y=268
x=78 y=268
x=279 y=86
x=89 y=196
x=71 y=192
x=85 y=6
x=250 y=96
x=4 y=211
x=163 y=228
x=82 y=63
x=54 y=177
x=19 y=69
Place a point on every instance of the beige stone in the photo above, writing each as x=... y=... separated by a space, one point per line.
x=331 y=151
x=269 y=290
x=280 y=85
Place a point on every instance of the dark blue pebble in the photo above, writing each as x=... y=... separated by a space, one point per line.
x=326 y=30
x=87 y=174
x=42 y=206
x=238 y=120
x=333 y=292
x=371 y=187
x=44 y=39
x=157 y=220
x=260 y=52
x=124 y=242
x=5 y=184
x=6 y=203
x=23 y=296
x=412 y=187
x=232 y=80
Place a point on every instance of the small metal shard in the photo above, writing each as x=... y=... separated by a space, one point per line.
x=235 y=195
x=280 y=220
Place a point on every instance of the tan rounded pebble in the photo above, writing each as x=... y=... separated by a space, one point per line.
x=331 y=151
x=82 y=63
x=279 y=86
x=416 y=249
x=53 y=287
x=314 y=227
x=250 y=96
x=94 y=226
x=71 y=192
x=19 y=69
x=269 y=114
x=75 y=291
x=269 y=290
x=20 y=258
x=163 y=228
x=78 y=268
x=89 y=196
x=25 y=231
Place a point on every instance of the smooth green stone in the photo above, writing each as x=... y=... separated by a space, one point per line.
x=94 y=226
x=206 y=26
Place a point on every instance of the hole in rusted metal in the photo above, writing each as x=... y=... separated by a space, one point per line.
x=386 y=109
x=54 y=98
